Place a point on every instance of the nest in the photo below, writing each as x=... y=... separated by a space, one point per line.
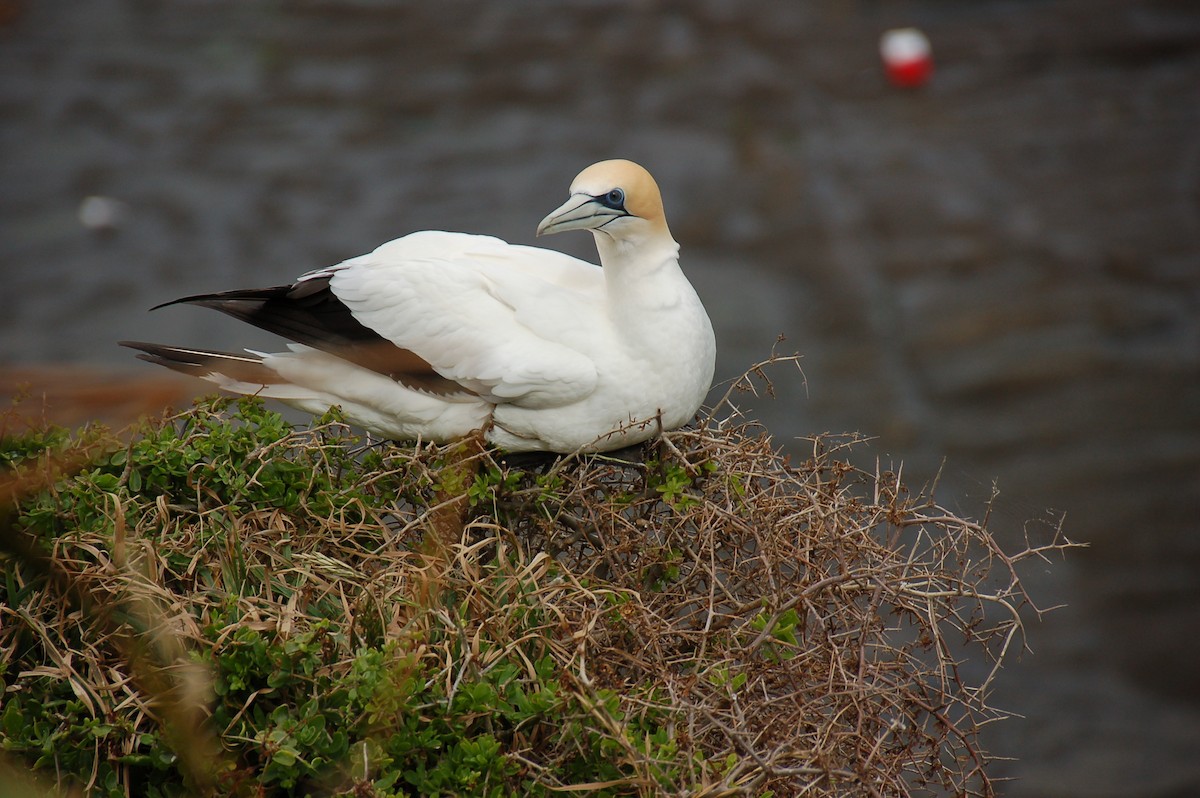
x=710 y=617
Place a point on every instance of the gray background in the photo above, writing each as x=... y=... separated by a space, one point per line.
x=1000 y=271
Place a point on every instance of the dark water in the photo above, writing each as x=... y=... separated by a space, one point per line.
x=1001 y=270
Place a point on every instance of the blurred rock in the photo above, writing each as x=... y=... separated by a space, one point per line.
x=72 y=396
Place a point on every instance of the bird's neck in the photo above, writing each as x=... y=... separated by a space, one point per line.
x=641 y=275
x=634 y=259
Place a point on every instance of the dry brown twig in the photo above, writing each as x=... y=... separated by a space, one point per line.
x=850 y=606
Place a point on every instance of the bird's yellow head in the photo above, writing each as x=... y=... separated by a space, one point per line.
x=615 y=197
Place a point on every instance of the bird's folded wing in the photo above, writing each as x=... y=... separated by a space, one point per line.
x=505 y=335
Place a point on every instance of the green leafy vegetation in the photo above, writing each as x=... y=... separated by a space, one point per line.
x=220 y=604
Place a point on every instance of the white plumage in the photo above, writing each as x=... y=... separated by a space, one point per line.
x=436 y=334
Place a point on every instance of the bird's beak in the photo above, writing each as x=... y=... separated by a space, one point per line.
x=580 y=212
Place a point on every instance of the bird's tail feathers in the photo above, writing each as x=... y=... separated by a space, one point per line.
x=243 y=374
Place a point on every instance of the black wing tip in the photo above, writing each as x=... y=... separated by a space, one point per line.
x=225 y=300
x=195 y=299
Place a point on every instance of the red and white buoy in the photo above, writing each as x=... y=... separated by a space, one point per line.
x=907 y=56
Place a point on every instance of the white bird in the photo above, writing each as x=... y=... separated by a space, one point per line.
x=436 y=335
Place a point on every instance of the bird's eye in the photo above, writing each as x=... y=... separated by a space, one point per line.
x=615 y=198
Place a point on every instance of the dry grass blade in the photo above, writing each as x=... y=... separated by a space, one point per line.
x=125 y=613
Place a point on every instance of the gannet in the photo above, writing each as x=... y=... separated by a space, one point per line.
x=437 y=335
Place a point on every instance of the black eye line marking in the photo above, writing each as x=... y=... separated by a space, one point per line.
x=606 y=199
